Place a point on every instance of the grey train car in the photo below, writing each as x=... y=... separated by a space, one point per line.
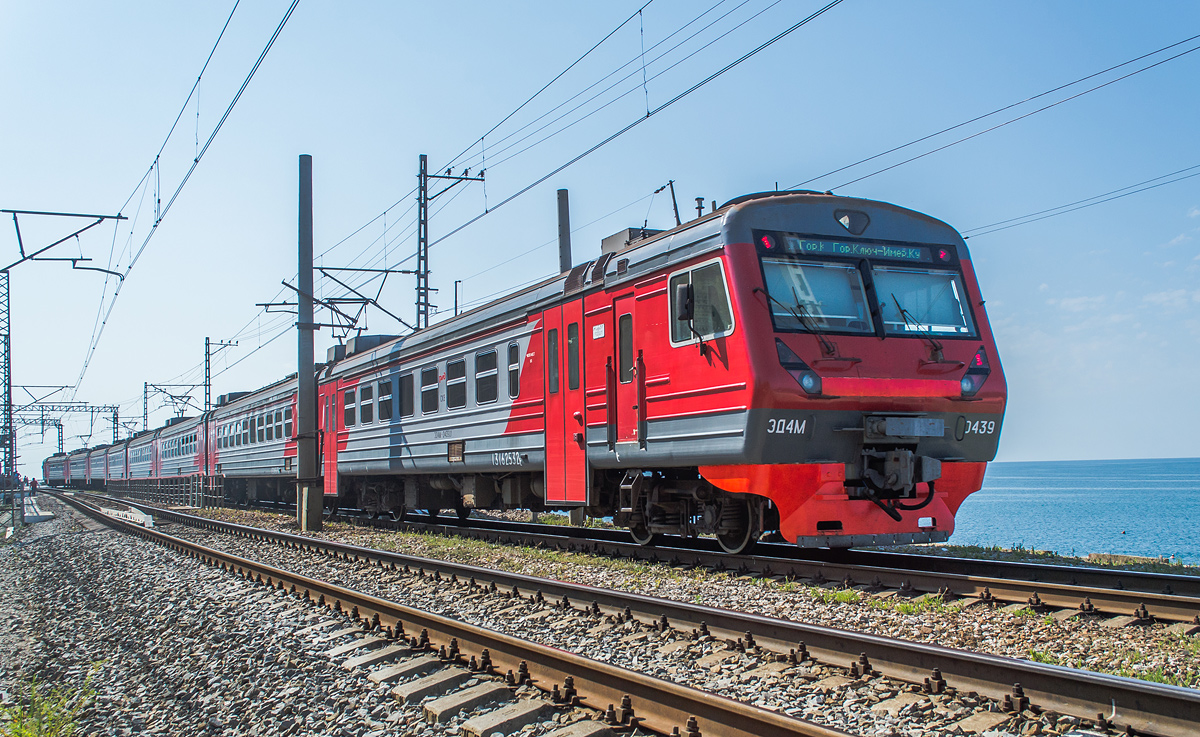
x=116 y=462
x=251 y=444
x=97 y=468
x=54 y=470
x=141 y=457
x=178 y=448
x=77 y=463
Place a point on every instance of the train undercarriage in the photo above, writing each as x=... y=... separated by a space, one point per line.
x=648 y=503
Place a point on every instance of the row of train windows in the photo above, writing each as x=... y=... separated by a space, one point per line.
x=140 y=455
x=359 y=404
x=264 y=428
x=183 y=445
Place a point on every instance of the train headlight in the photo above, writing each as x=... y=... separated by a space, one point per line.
x=977 y=373
x=809 y=380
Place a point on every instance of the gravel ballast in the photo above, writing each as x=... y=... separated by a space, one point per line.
x=171 y=646
x=869 y=705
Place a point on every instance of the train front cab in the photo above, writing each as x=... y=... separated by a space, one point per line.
x=878 y=395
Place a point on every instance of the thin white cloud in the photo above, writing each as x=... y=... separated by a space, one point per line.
x=1194 y=211
x=1077 y=304
x=1173 y=300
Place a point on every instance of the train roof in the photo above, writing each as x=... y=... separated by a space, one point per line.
x=638 y=256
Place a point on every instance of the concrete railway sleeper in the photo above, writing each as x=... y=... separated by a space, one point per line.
x=1139 y=706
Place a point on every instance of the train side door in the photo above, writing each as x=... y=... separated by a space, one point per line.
x=628 y=391
x=566 y=435
x=329 y=436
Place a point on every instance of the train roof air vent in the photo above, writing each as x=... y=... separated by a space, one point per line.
x=623 y=239
x=360 y=343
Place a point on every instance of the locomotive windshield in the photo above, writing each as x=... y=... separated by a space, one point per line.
x=918 y=300
x=834 y=286
x=829 y=295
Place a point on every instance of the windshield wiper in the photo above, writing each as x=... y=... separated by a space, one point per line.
x=935 y=347
x=805 y=320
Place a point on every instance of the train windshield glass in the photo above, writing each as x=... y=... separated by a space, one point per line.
x=811 y=294
x=914 y=300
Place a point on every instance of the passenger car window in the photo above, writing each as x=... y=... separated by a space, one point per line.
x=287 y=423
x=407 y=406
x=625 y=341
x=349 y=403
x=486 y=377
x=514 y=370
x=385 y=400
x=366 y=404
x=429 y=390
x=552 y=359
x=456 y=384
x=573 y=356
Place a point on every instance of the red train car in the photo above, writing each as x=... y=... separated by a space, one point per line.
x=814 y=366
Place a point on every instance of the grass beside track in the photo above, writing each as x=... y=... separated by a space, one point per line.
x=1018 y=553
x=649 y=577
x=41 y=713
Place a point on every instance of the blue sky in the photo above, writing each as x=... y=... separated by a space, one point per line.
x=1096 y=312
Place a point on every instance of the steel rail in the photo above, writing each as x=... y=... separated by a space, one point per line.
x=1116 y=593
x=1167 y=597
x=646 y=702
x=1146 y=707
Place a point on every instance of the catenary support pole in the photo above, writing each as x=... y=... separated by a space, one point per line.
x=309 y=491
x=564 y=232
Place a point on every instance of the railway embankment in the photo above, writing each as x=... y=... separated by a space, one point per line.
x=1150 y=652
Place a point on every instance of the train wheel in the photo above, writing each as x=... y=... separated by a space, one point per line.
x=642 y=534
x=372 y=513
x=742 y=536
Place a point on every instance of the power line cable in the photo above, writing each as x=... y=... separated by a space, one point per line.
x=600 y=81
x=641 y=120
x=555 y=79
x=994 y=112
x=162 y=214
x=1034 y=217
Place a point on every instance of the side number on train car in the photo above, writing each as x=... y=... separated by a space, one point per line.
x=508 y=459
x=782 y=426
x=981 y=427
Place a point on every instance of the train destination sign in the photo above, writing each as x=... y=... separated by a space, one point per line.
x=809 y=247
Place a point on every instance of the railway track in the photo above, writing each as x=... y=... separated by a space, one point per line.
x=1138 y=706
x=622 y=698
x=1134 y=596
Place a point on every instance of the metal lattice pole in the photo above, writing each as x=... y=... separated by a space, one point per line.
x=7 y=437
x=423 y=245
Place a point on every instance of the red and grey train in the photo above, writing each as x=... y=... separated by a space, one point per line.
x=810 y=366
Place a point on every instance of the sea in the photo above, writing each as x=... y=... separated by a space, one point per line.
x=1129 y=507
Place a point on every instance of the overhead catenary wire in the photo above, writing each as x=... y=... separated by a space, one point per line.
x=997 y=111
x=557 y=77
x=640 y=120
x=654 y=111
x=412 y=224
x=499 y=146
x=1115 y=194
x=175 y=195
